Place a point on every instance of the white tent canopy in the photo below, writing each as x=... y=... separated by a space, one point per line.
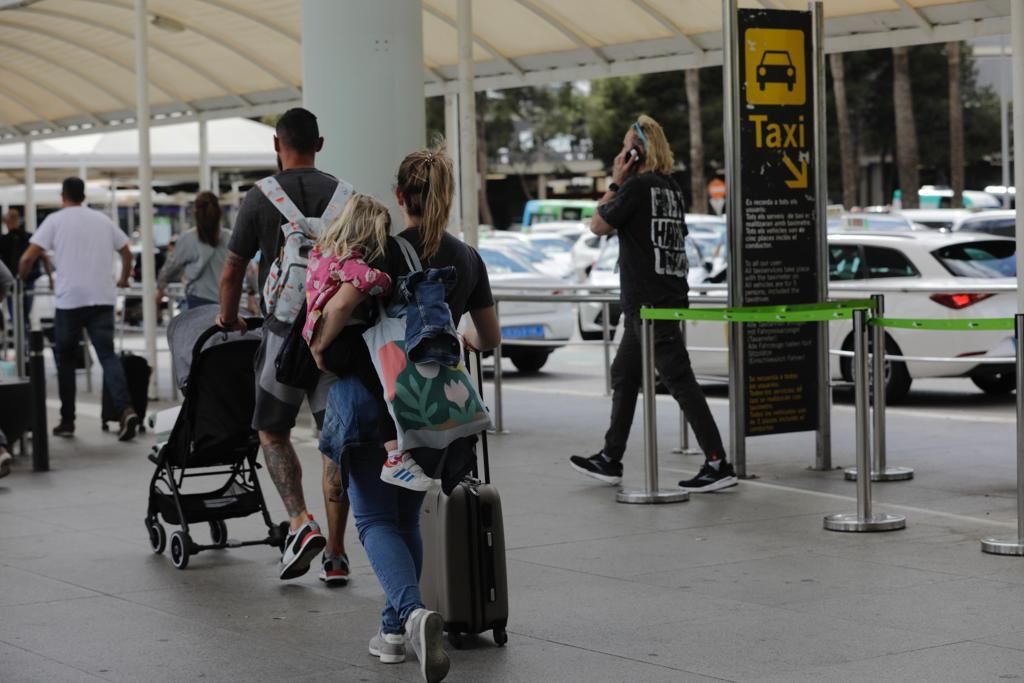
x=234 y=143
x=66 y=65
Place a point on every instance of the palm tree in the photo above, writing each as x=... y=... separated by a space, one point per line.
x=698 y=187
x=956 y=125
x=847 y=155
x=906 y=131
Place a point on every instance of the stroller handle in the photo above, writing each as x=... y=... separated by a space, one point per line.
x=197 y=347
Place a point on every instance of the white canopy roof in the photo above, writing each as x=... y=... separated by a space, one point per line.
x=67 y=65
x=234 y=143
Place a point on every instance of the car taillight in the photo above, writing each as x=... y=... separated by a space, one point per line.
x=958 y=301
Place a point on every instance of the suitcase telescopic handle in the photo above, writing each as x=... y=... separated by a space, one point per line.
x=478 y=358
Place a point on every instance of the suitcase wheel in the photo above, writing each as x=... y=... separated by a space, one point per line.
x=500 y=637
x=104 y=427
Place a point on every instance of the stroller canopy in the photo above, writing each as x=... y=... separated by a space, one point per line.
x=185 y=329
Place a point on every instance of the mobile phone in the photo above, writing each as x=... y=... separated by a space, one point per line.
x=635 y=155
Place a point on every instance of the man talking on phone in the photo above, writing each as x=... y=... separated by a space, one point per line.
x=644 y=208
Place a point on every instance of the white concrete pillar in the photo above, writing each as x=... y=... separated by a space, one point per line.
x=83 y=170
x=1017 y=21
x=469 y=181
x=204 y=156
x=30 y=187
x=451 y=134
x=362 y=76
x=114 y=215
x=146 y=192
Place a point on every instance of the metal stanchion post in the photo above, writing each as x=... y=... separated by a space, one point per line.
x=684 y=428
x=606 y=340
x=499 y=420
x=650 y=493
x=864 y=519
x=1015 y=546
x=19 y=326
x=879 y=470
x=40 y=437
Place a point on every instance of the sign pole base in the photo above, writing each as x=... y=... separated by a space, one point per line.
x=651 y=497
x=888 y=474
x=855 y=523
x=1003 y=546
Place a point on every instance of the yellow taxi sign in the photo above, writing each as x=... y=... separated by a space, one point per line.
x=776 y=72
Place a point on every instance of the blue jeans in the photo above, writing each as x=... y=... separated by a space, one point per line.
x=196 y=301
x=388 y=520
x=98 y=321
x=430 y=335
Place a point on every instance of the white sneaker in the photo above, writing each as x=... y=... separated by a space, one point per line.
x=401 y=470
x=390 y=647
x=425 y=632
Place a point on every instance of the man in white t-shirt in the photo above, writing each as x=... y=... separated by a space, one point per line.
x=83 y=241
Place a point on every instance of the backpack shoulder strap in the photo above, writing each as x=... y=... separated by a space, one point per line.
x=273 y=191
x=342 y=192
x=411 y=258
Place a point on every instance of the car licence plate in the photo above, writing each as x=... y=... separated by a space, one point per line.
x=523 y=332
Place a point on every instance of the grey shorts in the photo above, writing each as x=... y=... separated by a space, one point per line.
x=277 y=405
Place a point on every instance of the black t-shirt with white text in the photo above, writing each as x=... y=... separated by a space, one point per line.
x=648 y=215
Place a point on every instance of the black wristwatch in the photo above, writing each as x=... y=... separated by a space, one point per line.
x=613 y=187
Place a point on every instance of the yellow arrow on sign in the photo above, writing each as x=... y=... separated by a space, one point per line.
x=799 y=180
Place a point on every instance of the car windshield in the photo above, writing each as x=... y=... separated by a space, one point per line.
x=979 y=259
x=775 y=58
x=709 y=242
x=499 y=263
x=552 y=246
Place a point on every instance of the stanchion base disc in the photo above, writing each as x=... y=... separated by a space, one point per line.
x=856 y=523
x=888 y=474
x=652 y=497
x=688 y=451
x=1003 y=546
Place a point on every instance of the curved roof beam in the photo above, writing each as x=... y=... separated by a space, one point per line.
x=561 y=27
x=254 y=58
x=52 y=35
x=488 y=47
x=11 y=98
x=669 y=25
x=58 y=92
x=254 y=18
x=187 y=63
x=79 y=73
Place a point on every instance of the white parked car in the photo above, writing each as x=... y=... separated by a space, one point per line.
x=936 y=219
x=885 y=262
x=605 y=274
x=568 y=230
x=526 y=321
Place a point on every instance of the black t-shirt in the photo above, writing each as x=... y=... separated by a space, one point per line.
x=648 y=215
x=12 y=246
x=472 y=290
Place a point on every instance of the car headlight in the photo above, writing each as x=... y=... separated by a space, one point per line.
x=789 y=72
x=761 y=71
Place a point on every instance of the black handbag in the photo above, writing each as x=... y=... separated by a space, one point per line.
x=294 y=364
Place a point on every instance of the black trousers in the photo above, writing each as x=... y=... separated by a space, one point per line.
x=673 y=364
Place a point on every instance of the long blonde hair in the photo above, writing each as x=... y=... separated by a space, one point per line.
x=659 y=154
x=362 y=227
x=426 y=182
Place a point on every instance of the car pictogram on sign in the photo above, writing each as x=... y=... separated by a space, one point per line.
x=776 y=67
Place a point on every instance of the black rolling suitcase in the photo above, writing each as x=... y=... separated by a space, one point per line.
x=136 y=372
x=464 y=575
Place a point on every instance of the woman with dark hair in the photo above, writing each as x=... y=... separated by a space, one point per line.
x=198 y=255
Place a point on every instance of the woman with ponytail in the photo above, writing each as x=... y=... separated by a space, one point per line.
x=198 y=254
x=387 y=516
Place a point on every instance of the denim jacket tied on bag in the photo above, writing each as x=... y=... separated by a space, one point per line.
x=430 y=335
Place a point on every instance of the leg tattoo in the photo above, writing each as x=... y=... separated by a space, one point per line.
x=286 y=472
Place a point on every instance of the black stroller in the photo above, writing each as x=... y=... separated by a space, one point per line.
x=211 y=436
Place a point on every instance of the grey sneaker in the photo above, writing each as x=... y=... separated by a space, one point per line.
x=390 y=647
x=425 y=632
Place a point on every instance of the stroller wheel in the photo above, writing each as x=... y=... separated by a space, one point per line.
x=157 y=535
x=279 y=534
x=181 y=549
x=219 y=533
